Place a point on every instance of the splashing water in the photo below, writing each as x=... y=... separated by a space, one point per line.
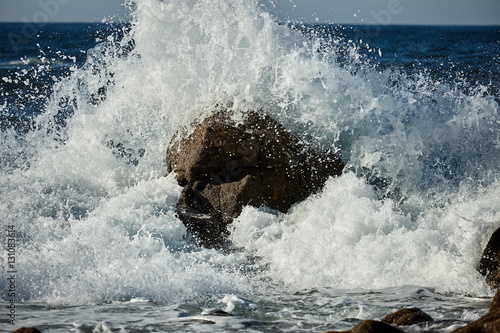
x=86 y=191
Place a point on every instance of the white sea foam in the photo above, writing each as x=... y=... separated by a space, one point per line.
x=345 y=237
x=95 y=215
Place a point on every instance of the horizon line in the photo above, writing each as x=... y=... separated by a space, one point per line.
x=280 y=22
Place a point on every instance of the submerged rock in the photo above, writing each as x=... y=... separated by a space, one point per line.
x=218 y=313
x=489 y=323
x=224 y=166
x=409 y=316
x=489 y=266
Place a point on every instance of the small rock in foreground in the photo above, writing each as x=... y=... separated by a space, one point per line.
x=27 y=330
x=371 y=326
x=409 y=316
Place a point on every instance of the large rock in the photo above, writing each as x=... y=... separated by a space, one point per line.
x=489 y=323
x=489 y=266
x=224 y=166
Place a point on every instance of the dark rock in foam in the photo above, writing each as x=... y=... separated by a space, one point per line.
x=489 y=266
x=224 y=166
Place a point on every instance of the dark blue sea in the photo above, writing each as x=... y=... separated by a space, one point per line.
x=91 y=241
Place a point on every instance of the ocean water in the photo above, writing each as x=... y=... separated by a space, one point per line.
x=90 y=238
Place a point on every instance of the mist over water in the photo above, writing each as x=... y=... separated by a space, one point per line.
x=87 y=192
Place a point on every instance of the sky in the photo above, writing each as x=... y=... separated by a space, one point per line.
x=380 y=12
x=415 y=12
x=42 y=11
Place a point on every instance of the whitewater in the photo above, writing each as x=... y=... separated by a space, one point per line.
x=99 y=247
